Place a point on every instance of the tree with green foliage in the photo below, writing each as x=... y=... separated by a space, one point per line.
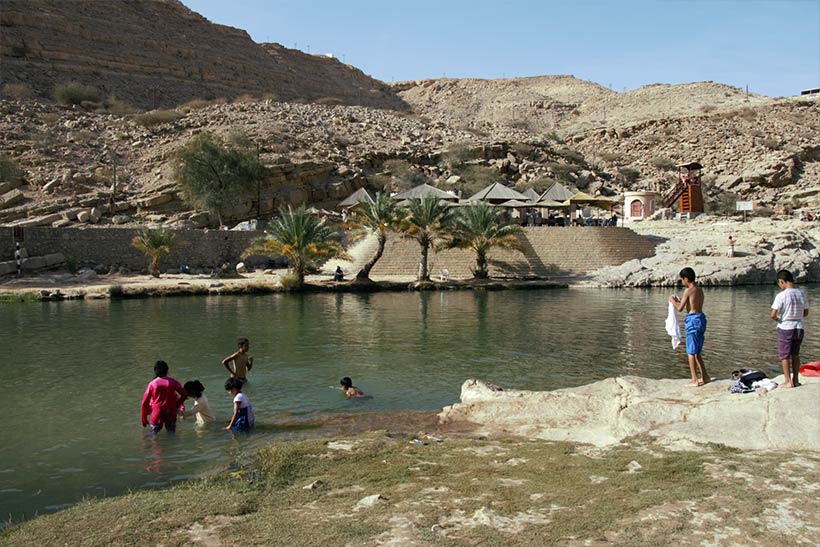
x=302 y=238
x=426 y=221
x=213 y=175
x=377 y=218
x=154 y=244
x=480 y=227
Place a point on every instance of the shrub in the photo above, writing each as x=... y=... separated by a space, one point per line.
x=9 y=170
x=747 y=113
x=212 y=174
x=652 y=139
x=522 y=150
x=708 y=108
x=72 y=265
x=118 y=107
x=771 y=144
x=723 y=204
x=553 y=136
x=573 y=156
x=404 y=175
x=17 y=91
x=156 y=117
x=762 y=212
x=610 y=157
x=664 y=164
x=194 y=104
x=330 y=101
x=476 y=177
x=116 y=291
x=458 y=154
x=562 y=171
x=75 y=93
x=244 y=99
x=627 y=176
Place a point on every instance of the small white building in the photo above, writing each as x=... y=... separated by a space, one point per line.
x=639 y=205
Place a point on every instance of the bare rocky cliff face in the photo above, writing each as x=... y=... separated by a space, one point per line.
x=158 y=53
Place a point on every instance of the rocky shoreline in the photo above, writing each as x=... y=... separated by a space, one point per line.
x=614 y=410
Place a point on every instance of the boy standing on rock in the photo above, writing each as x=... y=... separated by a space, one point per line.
x=793 y=306
x=695 y=324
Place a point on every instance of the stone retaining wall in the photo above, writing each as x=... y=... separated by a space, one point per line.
x=545 y=251
x=112 y=246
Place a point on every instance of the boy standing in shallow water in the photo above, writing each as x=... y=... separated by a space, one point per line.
x=695 y=324
x=242 y=364
x=793 y=306
x=162 y=399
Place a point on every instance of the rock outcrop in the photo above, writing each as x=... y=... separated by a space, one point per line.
x=763 y=247
x=158 y=53
x=608 y=412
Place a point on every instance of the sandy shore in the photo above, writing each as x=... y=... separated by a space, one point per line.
x=763 y=246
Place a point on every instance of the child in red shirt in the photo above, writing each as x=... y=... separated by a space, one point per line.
x=163 y=398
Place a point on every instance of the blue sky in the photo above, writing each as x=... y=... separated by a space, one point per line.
x=773 y=46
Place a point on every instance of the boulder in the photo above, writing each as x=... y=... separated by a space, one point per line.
x=94 y=215
x=241 y=269
x=63 y=222
x=120 y=219
x=154 y=201
x=84 y=216
x=607 y=412
x=10 y=199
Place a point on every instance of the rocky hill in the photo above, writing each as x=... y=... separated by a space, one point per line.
x=563 y=103
x=158 y=53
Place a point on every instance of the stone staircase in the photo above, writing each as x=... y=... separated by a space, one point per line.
x=545 y=252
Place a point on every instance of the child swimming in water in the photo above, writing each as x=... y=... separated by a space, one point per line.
x=242 y=418
x=201 y=409
x=349 y=389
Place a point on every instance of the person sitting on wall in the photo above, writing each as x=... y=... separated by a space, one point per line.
x=339 y=275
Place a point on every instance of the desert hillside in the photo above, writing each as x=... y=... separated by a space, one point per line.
x=324 y=129
x=564 y=103
x=158 y=53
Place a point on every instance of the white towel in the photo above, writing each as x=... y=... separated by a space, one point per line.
x=672 y=326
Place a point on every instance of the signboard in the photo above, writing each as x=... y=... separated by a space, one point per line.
x=744 y=205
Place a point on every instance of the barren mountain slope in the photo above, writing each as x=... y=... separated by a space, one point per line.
x=158 y=53
x=769 y=152
x=563 y=103
x=538 y=103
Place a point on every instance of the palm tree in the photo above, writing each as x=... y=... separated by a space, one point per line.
x=426 y=220
x=302 y=238
x=378 y=218
x=479 y=228
x=154 y=243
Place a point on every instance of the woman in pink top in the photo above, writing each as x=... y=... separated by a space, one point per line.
x=163 y=398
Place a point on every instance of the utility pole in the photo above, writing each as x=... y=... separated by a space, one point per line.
x=258 y=189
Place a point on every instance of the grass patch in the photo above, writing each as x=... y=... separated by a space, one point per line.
x=497 y=492
x=75 y=93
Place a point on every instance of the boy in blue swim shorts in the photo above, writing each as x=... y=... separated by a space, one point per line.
x=695 y=324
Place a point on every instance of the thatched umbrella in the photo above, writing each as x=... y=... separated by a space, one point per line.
x=498 y=193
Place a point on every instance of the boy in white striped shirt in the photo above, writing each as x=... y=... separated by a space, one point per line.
x=792 y=305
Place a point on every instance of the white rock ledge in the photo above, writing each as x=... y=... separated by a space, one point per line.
x=607 y=412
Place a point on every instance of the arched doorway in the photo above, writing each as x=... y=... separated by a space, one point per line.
x=636 y=209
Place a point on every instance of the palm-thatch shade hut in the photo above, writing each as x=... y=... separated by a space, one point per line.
x=498 y=193
x=531 y=194
x=423 y=191
x=359 y=196
x=515 y=204
x=556 y=192
x=551 y=204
